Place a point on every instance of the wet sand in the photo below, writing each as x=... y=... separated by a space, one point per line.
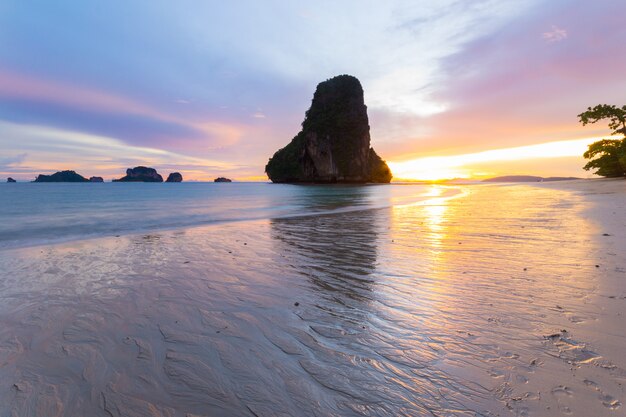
x=505 y=300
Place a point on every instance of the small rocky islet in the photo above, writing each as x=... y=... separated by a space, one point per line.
x=141 y=174
x=61 y=176
x=174 y=177
x=66 y=176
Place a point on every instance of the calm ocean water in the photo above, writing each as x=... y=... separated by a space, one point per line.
x=44 y=213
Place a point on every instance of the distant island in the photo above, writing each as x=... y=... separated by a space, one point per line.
x=174 y=177
x=61 y=176
x=146 y=174
x=334 y=143
x=10 y=180
x=527 y=178
x=141 y=174
x=222 y=179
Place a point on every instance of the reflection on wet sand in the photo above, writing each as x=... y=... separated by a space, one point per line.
x=362 y=350
x=475 y=305
x=336 y=253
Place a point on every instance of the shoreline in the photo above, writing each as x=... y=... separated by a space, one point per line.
x=453 y=191
x=207 y=223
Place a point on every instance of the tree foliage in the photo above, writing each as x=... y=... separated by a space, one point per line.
x=607 y=156
x=616 y=116
x=285 y=165
x=379 y=171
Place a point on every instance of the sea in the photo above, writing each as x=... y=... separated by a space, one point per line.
x=34 y=213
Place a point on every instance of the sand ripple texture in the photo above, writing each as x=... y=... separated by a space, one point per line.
x=501 y=301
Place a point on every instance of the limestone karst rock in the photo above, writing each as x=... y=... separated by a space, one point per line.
x=334 y=143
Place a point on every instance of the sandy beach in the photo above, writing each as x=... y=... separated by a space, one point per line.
x=492 y=300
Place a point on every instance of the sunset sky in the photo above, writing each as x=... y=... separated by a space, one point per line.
x=212 y=88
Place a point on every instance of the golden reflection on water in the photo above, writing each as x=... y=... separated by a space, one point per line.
x=435 y=210
x=456 y=254
x=431 y=214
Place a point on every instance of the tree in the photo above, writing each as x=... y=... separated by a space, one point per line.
x=607 y=156
x=610 y=157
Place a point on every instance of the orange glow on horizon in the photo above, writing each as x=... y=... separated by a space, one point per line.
x=472 y=165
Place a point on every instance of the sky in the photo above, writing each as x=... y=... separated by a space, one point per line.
x=454 y=88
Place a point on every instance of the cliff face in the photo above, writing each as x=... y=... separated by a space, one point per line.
x=334 y=143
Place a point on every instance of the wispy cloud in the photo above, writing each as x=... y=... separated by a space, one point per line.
x=12 y=161
x=556 y=34
x=89 y=99
x=507 y=88
x=54 y=149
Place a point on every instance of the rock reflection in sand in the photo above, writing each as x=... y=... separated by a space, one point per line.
x=477 y=305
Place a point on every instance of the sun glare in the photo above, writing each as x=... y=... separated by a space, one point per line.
x=469 y=165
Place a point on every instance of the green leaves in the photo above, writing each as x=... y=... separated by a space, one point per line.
x=606 y=166
x=285 y=164
x=607 y=156
x=379 y=171
x=609 y=146
x=616 y=116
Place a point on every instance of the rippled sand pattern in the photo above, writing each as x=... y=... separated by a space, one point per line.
x=478 y=305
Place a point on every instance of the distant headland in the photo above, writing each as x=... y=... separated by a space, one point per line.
x=527 y=178
x=334 y=143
